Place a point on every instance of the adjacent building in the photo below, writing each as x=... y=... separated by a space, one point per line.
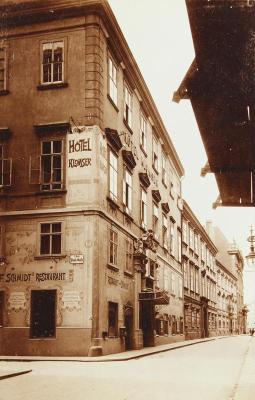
x=90 y=189
x=199 y=270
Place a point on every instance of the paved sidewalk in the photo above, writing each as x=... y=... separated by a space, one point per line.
x=125 y=356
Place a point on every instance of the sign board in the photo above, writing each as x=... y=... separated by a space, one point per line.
x=76 y=259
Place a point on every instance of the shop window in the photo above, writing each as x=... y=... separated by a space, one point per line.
x=113 y=176
x=143 y=133
x=112 y=81
x=165 y=325
x=129 y=256
x=52 y=62
x=127 y=191
x=51 y=238
x=127 y=106
x=181 y=326
x=113 y=247
x=174 y=325
x=1 y=308
x=43 y=314
x=112 y=319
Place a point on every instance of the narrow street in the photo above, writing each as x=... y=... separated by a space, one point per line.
x=223 y=369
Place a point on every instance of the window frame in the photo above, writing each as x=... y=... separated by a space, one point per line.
x=143 y=132
x=63 y=62
x=49 y=186
x=112 y=80
x=144 y=208
x=164 y=168
x=127 y=190
x=113 y=247
x=5 y=168
x=155 y=220
x=129 y=256
x=171 y=239
x=3 y=48
x=164 y=231
x=155 y=153
x=61 y=233
x=128 y=105
x=111 y=168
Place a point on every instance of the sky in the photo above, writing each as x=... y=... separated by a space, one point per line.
x=159 y=36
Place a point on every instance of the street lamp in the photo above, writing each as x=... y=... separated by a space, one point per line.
x=250 y=258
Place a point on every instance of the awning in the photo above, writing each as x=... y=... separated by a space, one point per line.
x=159 y=298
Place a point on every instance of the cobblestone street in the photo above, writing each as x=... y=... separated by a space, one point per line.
x=218 y=370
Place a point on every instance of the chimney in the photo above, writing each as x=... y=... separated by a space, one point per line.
x=209 y=229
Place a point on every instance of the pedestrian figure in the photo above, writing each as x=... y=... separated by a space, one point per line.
x=252 y=332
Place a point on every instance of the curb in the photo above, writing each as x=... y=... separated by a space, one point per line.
x=13 y=374
x=95 y=360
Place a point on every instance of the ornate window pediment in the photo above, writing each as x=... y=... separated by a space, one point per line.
x=128 y=157
x=156 y=195
x=113 y=137
x=165 y=207
x=144 y=179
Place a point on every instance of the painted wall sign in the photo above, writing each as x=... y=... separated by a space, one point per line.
x=32 y=277
x=17 y=301
x=71 y=300
x=76 y=259
x=77 y=146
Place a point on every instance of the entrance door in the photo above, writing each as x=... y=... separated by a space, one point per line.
x=43 y=313
x=147 y=314
x=129 y=327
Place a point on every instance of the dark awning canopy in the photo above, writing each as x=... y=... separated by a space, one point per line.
x=221 y=86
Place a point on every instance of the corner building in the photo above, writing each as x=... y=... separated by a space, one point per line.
x=90 y=192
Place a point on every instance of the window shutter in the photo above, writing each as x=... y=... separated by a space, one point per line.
x=7 y=172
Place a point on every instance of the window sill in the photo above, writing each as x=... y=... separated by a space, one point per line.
x=4 y=92
x=52 y=192
x=113 y=204
x=164 y=183
x=129 y=274
x=143 y=227
x=127 y=126
x=49 y=86
x=155 y=169
x=143 y=150
x=112 y=103
x=43 y=338
x=49 y=256
x=127 y=214
x=112 y=267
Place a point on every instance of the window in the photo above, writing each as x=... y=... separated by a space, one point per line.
x=113 y=176
x=166 y=279
x=172 y=238
x=112 y=319
x=113 y=247
x=112 y=81
x=164 y=231
x=43 y=313
x=1 y=308
x=197 y=280
x=50 y=238
x=3 y=69
x=180 y=291
x=52 y=165
x=173 y=283
x=5 y=169
x=144 y=209
x=127 y=106
x=179 y=240
x=155 y=157
x=2 y=241
x=129 y=256
x=155 y=220
x=164 y=178
x=184 y=232
x=191 y=238
x=53 y=62
x=185 y=273
x=196 y=243
x=143 y=132
x=203 y=251
x=165 y=324
x=192 y=283
x=127 y=191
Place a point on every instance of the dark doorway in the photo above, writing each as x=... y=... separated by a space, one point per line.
x=43 y=313
x=129 y=327
x=147 y=317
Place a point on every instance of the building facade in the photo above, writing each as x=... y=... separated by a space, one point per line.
x=199 y=270
x=90 y=189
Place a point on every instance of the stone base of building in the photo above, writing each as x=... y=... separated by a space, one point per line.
x=68 y=342
x=160 y=340
x=137 y=339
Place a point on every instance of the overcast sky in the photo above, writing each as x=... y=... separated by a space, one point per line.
x=158 y=34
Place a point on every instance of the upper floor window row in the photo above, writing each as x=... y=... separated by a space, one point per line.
x=52 y=68
x=3 y=69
